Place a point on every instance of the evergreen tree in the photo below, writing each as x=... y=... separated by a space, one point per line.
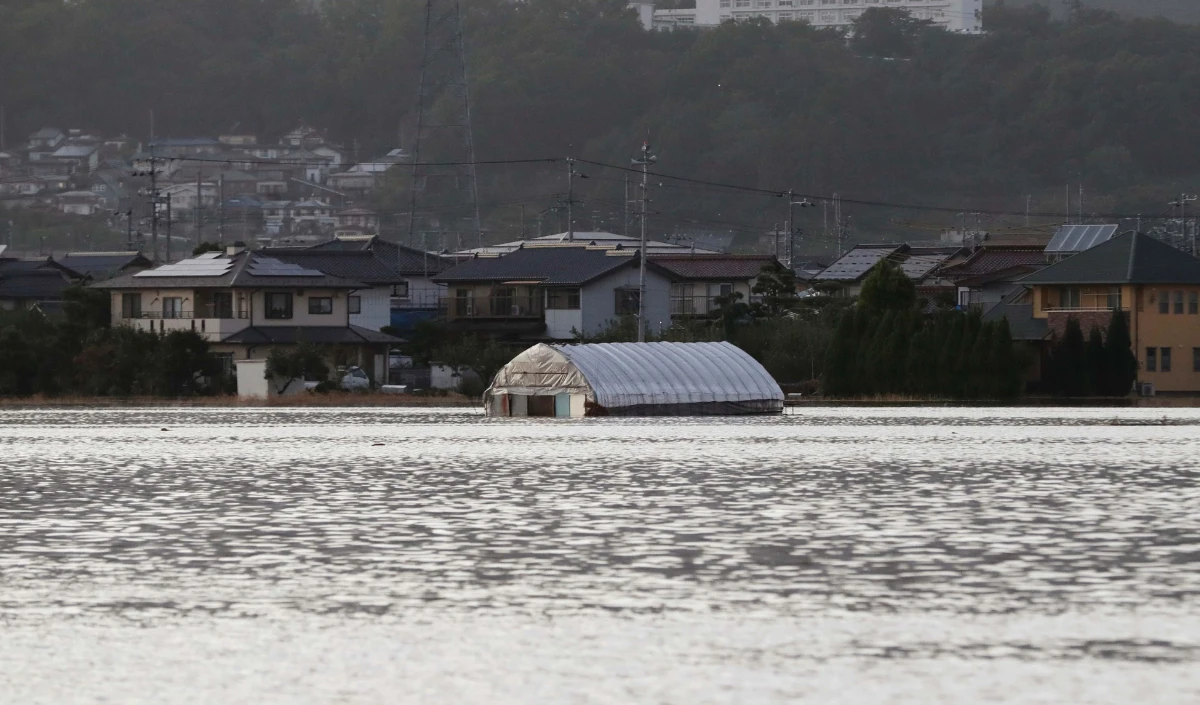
x=887 y=288
x=1071 y=361
x=1096 y=358
x=839 y=360
x=1122 y=361
x=1003 y=362
x=977 y=381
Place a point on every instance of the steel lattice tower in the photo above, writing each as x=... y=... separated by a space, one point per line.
x=444 y=188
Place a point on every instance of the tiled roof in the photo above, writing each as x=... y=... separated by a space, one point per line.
x=853 y=265
x=102 y=265
x=402 y=259
x=240 y=275
x=713 y=266
x=358 y=265
x=987 y=260
x=1130 y=258
x=564 y=265
x=321 y=335
x=34 y=284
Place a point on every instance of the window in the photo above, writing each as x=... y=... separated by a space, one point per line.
x=225 y=360
x=400 y=290
x=627 y=302
x=1164 y=303
x=1070 y=297
x=355 y=303
x=1178 y=297
x=502 y=301
x=172 y=307
x=222 y=305
x=1152 y=359
x=563 y=299
x=1164 y=360
x=464 y=304
x=1195 y=359
x=1114 y=298
x=279 y=306
x=131 y=305
x=320 y=305
x=1193 y=303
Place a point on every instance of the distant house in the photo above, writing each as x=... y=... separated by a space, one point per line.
x=99 y=266
x=598 y=239
x=552 y=292
x=33 y=283
x=80 y=202
x=920 y=264
x=991 y=274
x=245 y=304
x=238 y=183
x=370 y=307
x=186 y=146
x=356 y=181
x=1154 y=284
x=414 y=295
x=356 y=221
x=84 y=157
x=701 y=282
x=46 y=139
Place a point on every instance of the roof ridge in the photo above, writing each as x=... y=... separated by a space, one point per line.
x=1132 y=255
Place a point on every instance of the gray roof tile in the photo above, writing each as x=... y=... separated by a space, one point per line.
x=556 y=265
x=1130 y=258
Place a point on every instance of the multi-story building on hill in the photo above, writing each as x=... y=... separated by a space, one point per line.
x=953 y=15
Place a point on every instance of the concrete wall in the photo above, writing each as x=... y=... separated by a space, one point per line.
x=251 y=379
x=376 y=308
x=560 y=323
x=599 y=300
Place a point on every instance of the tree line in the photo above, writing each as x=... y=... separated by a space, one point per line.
x=902 y=112
x=1103 y=364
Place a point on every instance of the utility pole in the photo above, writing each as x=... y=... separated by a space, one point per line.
x=1028 y=205
x=153 y=193
x=644 y=161
x=221 y=208
x=837 y=219
x=199 y=202
x=3 y=126
x=129 y=230
x=522 y=221
x=571 y=174
x=626 y=230
x=790 y=238
x=168 y=229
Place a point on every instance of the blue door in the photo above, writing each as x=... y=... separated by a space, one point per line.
x=562 y=406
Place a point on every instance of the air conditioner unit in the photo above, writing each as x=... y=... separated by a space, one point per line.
x=1147 y=389
x=516 y=310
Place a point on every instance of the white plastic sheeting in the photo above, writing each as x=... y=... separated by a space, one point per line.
x=614 y=376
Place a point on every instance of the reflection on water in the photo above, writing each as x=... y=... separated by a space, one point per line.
x=837 y=555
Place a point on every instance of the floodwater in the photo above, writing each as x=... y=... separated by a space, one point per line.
x=833 y=556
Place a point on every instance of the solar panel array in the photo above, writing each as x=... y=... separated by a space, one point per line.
x=856 y=263
x=207 y=265
x=918 y=266
x=1079 y=238
x=271 y=267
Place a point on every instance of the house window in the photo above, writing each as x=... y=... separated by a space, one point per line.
x=1193 y=303
x=1164 y=302
x=627 y=302
x=1114 y=298
x=563 y=299
x=279 y=306
x=1164 y=360
x=1178 y=302
x=320 y=305
x=503 y=300
x=172 y=307
x=1152 y=359
x=131 y=305
x=355 y=303
x=464 y=304
x=222 y=305
x=1195 y=359
x=400 y=290
x=1070 y=298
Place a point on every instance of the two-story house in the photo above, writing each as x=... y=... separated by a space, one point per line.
x=245 y=304
x=703 y=281
x=553 y=292
x=1154 y=284
x=369 y=307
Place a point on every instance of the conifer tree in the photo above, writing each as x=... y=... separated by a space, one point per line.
x=1003 y=362
x=839 y=359
x=1071 y=361
x=1122 y=362
x=1096 y=359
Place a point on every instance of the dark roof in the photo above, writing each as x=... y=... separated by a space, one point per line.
x=988 y=260
x=13 y=266
x=855 y=264
x=357 y=265
x=320 y=335
x=401 y=258
x=1021 y=322
x=713 y=266
x=102 y=265
x=1130 y=258
x=565 y=265
x=37 y=284
x=240 y=275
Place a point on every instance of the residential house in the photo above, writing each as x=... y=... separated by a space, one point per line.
x=991 y=274
x=80 y=202
x=245 y=304
x=84 y=158
x=552 y=292
x=597 y=239
x=186 y=146
x=238 y=140
x=99 y=266
x=701 y=282
x=33 y=283
x=920 y=264
x=188 y=196
x=357 y=182
x=238 y=183
x=356 y=221
x=10 y=163
x=45 y=141
x=370 y=307
x=415 y=296
x=1154 y=284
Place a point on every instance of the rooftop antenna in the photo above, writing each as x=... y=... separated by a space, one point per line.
x=448 y=182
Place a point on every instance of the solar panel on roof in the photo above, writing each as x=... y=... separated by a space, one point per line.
x=1079 y=238
x=270 y=267
x=198 y=267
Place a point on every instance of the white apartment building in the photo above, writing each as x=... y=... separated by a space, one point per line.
x=954 y=15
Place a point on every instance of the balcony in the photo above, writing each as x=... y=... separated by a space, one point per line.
x=212 y=323
x=493 y=307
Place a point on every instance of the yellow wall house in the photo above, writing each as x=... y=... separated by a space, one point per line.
x=1156 y=285
x=245 y=304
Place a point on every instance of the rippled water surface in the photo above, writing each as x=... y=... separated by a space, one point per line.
x=835 y=555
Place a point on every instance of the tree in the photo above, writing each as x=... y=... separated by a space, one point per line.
x=1003 y=363
x=886 y=288
x=302 y=361
x=887 y=32
x=776 y=286
x=1069 y=364
x=206 y=247
x=838 y=380
x=183 y=364
x=1122 y=361
x=1098 y=367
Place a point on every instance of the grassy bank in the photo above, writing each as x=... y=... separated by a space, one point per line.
x=334 y=399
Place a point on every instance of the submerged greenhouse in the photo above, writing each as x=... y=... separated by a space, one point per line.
x=633 y=379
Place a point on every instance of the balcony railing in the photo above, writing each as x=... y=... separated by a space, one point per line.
x=204 y=312
x=493 y=307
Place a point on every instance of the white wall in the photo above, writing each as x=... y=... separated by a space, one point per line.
x=376 y=308
x=252 y=380
x=955 y=15
x=561 y=322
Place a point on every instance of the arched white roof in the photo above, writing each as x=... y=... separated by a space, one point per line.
x=616 y=375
